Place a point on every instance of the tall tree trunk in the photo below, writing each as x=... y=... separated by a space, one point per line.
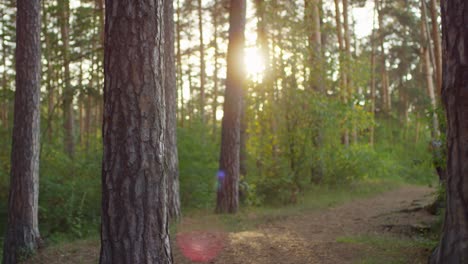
x=373 y=90
x=202 y=62
x=347 y=65
x=437 y=48
x=228 y=192
x=343 y=79
x=4 y=102
x=170 y=89
x=134 y=178
x=49 y=73
x=312 y=20
x=68 y=113
x=425 y=42
x=22 y=236
x=214 y=106
x=453 y=247
x=386 y=100
x=180 y=79
x=315 y=65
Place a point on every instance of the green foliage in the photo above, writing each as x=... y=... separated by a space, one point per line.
x=198 y=164
x=69 y=200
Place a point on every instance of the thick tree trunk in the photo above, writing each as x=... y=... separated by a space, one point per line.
x=228 y=190
x=453 y=247
x=134 y=178
x=22 y=234
x=170 y=89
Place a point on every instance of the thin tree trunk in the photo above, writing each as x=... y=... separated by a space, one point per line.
x=202 y=62
x=134 y=178
x=228 y=191
x=216 y=66
x=68 y=113
x=343 y=79
x=180 y=79
x=22 y=236
x=428 y=71
x=386 y=100
x=373 y=83
x=49 y=85
x=437 y=47
x=4 y=101
x=170 y=86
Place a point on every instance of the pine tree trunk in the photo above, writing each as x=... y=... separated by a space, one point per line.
x=453 y=247
x=202 y=62
x=386 y=100
x=180 y=79
x=22 y=234
x=428 y=70
x=68 y=113
x=172 y=160
x=228 y=191
x=437 y=48
x=4 y=102
x=216 y=67
x=134 y=178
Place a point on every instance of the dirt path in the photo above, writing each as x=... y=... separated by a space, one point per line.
x=312 y=237
x=321 y=236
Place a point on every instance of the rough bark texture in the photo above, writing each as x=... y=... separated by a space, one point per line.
x=134 y=182
x=170 y=89
x=22 y=234
x=227 y=195
x=453 y=246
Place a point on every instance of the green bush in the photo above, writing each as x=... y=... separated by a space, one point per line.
x=198 y=164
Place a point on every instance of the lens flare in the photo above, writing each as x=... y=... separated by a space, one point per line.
x=201 y=246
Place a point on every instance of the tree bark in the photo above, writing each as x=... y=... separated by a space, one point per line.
x=68 y=113
x=170 y=89
x=215 y=14
x=386 y=100
x=180 y=79
x=134 y=226
x=437 y=48
x=202 y=62
x=453 y=247
x=425 y=43
x=22 y=234
x=228 y=191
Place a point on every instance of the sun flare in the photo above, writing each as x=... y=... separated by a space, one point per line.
x=254 y=63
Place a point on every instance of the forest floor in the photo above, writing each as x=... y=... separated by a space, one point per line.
x=385 y=228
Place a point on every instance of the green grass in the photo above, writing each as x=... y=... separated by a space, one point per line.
x=391 y=249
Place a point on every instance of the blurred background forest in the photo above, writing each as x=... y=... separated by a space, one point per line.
x=338 y=93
